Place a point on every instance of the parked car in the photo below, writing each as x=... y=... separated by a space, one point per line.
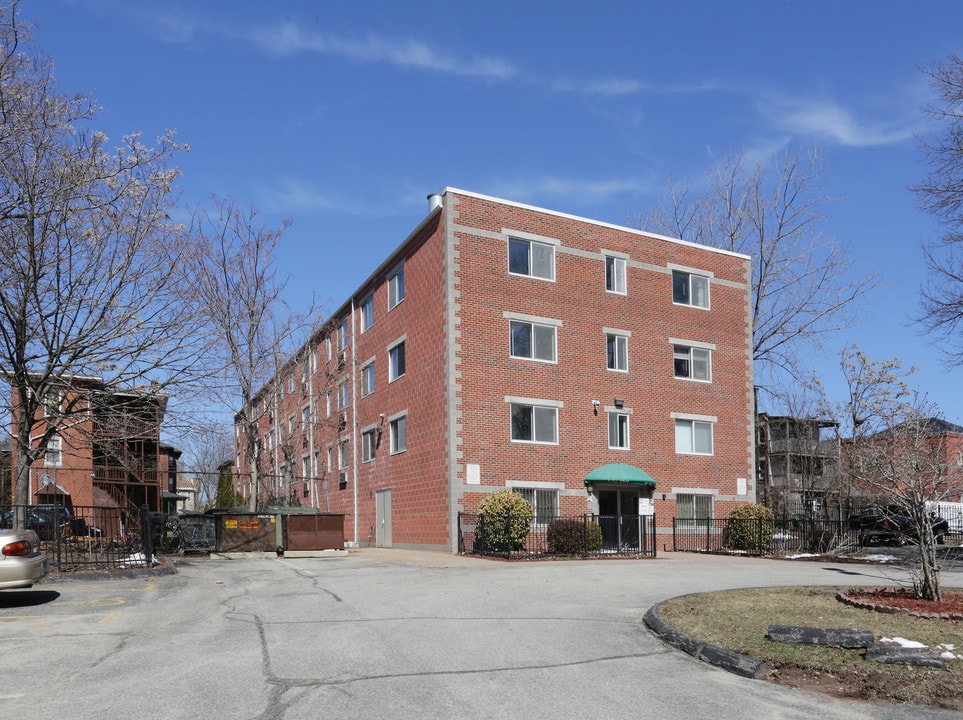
x=45 y=520
x=894 y=527
x=21 y=561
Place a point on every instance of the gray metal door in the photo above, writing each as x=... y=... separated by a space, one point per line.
x=383 y=518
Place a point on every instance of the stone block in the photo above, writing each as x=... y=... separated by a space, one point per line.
x=830 y=637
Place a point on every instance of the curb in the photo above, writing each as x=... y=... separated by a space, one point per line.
x=164 y=568
x=733 y=662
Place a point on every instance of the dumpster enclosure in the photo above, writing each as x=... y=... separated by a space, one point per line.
x=279 y=529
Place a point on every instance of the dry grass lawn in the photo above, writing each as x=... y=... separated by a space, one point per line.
x=738 y=620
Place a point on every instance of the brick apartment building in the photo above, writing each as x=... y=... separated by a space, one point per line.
x=108 y=452
x=590 y=367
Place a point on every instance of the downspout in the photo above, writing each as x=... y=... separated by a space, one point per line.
x=354 y=428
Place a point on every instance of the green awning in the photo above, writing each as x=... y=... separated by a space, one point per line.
x=620 y=473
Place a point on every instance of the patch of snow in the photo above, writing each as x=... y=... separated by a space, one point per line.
x=903 y=642
x=947 y=650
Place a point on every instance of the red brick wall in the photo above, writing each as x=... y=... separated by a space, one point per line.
x=578 y=299
x=464 y=250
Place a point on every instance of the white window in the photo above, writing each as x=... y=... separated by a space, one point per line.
x=327 y=347
x=327 y=404
x=344 y=454
x=367 y=313
x=368 y=445
x=329 y=458
x=53 y=457
x=51 y=404
x=292 y=383
x=528 y=257
x=692 y=363
x=534 y=423
x=398 y=429
x=690 y=508
x=344 y=396
x=342 y=335
x=544 y=503
x=618 y=430
x=305 y=417
x=367 y=379
x=690 y=289
x=615 y=275
x=396 y=361
x=617 y=352
x=396 y=287
x=693 y=437
x=533 y=341
x=305 y=467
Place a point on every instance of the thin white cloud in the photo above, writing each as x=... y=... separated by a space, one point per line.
x=834 y=123
x=609 y=88
x=289 y=39
x=290 y=194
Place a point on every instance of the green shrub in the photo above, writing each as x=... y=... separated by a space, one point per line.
x=504 y=519
x=574 y=537
x=749 y=528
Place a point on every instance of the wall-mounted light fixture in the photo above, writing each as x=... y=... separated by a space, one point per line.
x=595 y=407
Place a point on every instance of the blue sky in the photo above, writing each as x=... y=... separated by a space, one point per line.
x=343 y=117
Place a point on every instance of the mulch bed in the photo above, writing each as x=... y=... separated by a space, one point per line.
x=900 y=600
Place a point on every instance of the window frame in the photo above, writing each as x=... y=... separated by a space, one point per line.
x=679 y=349
x=541 y=499
x=616 y=274
x=53 y=454
x=369 y=444
x=693 y=424
x=366 y=310
x=691 y=293
x=368 y=378
x=344 y=395
x=344 y=453
x=396 y=287
x=615 y=339
x=533 y=343
x=621 y=428
x=530 y=257
x=395 y=351
x=516 y=407
x=398 y=433
x=691 y=508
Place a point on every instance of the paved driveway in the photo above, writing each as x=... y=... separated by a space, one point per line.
x=393 y=634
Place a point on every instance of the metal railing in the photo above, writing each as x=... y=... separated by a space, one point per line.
x=85 y=538
x=519 y=537
x=758 y=536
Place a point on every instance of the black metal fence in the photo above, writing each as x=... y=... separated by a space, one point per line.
x=522 y=538
x=758 y=536
x=83 y=538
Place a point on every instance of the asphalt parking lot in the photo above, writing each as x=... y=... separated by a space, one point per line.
x=394 y=634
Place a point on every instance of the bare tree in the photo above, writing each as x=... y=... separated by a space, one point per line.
x=89 y=259
x=804 y=284
x=207 y=450
x=241 y=295
x=941 y=194
x=897 y=453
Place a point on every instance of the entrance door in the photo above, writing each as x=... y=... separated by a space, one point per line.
x=619 y=518
x=383 y=518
